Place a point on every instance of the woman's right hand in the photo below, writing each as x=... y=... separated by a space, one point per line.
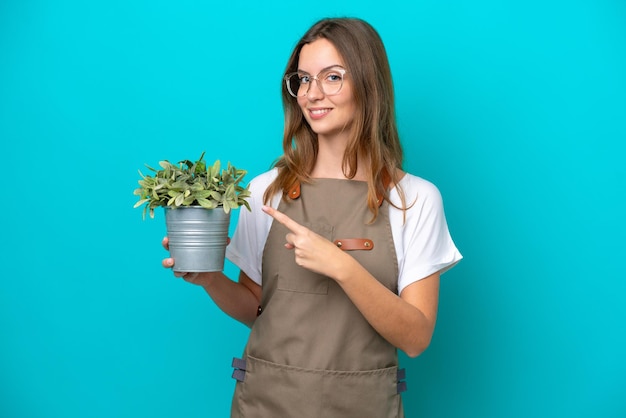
x=199 y=279
x=168 y=263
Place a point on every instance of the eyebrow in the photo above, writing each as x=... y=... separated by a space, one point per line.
x=324 y=69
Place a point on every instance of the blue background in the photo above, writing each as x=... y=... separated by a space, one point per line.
x=515 y=109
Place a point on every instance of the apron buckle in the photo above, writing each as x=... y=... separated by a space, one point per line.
x=239 y=365
x=401 y=383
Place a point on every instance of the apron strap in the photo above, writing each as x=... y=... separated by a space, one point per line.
x=349 y=244
x=294 y=191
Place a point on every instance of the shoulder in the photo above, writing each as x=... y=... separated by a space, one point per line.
x=258 y=185
x=263 y=180
x=416 y=190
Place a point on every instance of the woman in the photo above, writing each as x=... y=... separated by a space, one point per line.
x=341 y=254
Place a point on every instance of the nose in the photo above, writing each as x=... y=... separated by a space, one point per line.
x=315 y=92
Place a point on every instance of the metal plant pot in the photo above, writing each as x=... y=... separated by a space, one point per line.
x=198 y=237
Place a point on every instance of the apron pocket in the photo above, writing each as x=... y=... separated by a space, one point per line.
x=294 y=278
x=310 y=283
x=275 y=390
x=362 y=394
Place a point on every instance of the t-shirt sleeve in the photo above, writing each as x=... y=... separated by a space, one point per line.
x=426 y=246
x=246 y=246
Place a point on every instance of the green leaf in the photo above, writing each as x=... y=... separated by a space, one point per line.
x=208 y=204
x=198 y=186
x=215 y=170
x=180 y=185
x=200 y=165
x=141 y=202
x=232 y=204
x=203 y=194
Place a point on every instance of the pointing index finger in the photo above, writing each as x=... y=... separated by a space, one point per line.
x=292 y=225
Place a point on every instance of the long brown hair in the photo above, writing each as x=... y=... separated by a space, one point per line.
x=374 y=134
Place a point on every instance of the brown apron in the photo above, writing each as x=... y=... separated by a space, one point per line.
x=311 y=353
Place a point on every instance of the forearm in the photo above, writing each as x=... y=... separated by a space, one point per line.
x=234 y=298
x=400 y=322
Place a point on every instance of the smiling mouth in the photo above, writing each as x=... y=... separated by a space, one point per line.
x=319 y=112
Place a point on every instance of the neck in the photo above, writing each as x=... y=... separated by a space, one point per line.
x=329 y=163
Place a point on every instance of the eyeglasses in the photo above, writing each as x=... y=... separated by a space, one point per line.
x=329 y=81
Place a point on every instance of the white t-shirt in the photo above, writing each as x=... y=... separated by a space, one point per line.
x=423 y=242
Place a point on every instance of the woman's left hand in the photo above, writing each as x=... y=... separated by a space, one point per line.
x=311 y=251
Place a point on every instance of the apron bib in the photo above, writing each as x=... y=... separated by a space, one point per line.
x=311 y=354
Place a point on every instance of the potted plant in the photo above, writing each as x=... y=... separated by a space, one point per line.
x=198 y=200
